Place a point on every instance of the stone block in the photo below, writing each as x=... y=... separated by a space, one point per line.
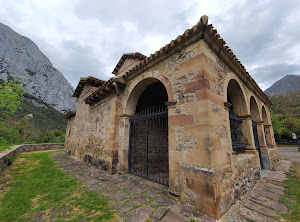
x=164 y=201
x=160 y=212
x=209 y=95
x=198 y=131
x=203 y=188
x=181 y=119
x=193 y=64
x=191 y=87
x=198 y=106
x=173 y=216
x=195 y=157
x=120 y=195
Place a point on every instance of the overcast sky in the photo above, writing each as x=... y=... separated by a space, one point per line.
x=83 y=38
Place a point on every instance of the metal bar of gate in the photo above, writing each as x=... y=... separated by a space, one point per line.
x=147 y=141
x=150 y=115
x=147 y=168
x=130 y=145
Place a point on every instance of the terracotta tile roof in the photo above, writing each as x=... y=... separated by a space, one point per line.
x=190 y=36
x=134 y=55
x=91 y=80
x=70 y=114
x=105 y=89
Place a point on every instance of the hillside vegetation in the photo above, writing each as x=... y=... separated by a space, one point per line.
x=287 y=104
x=44 y=116
x=32 y=122
x=285 y=115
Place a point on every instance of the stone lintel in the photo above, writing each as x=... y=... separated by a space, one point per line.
x=198 y=169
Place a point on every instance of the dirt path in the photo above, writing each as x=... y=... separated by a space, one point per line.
x=290 y=153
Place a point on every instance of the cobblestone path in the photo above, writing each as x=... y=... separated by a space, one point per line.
x=261 y=203
x=136 y=199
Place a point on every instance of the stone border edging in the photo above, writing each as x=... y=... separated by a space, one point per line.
x=8 y=155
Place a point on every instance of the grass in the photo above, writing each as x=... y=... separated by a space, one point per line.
x=38 y=190
x=287 y=145
x=2 y=148
x=291 y=197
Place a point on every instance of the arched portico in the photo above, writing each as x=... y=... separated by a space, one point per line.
x=257 y=129
x=240 y=119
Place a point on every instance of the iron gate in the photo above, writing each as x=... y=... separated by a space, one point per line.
x=256 y=140
x=148 y=146
x=237 y=138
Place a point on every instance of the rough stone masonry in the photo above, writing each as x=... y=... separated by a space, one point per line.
x=188 y=116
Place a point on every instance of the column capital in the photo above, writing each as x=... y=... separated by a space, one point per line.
x=126 y=116
x=171 y=104
x=259 y=122
x=227 y=105
x=245 y=117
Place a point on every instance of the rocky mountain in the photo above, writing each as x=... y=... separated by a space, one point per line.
x=289 y=83
x=20 y=57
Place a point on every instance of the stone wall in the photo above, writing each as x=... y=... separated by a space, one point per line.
x=10 y=154
x=90 y=135
x=203 y=170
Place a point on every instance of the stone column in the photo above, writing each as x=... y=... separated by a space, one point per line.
x=124 y=140
x=248 y=132
x=173 y=183
x=270 y=135
x=261 y=134
x=263 y=145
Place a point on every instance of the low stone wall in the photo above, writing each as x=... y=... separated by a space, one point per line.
x=8 y=155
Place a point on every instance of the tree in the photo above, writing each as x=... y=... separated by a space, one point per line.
x=11 y=96
x=278 y=126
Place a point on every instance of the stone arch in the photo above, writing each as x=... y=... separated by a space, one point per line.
x=237 y=110
x=265 y=117
x=236 y=97
x=254 y=111
x=139 y=85
x=148 y=155
x=258 y=131
x=266 y=126
x=135 y=90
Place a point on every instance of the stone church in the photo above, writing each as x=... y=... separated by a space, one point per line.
x=189 y=117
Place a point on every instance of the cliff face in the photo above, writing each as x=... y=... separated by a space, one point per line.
x=20 y=57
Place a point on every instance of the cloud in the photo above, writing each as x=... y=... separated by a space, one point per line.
x=260 y=30
x=267 y=75
x=88 y=38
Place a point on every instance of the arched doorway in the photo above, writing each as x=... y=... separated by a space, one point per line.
x=256 y=119
x=237 y=108
x=148 y=138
